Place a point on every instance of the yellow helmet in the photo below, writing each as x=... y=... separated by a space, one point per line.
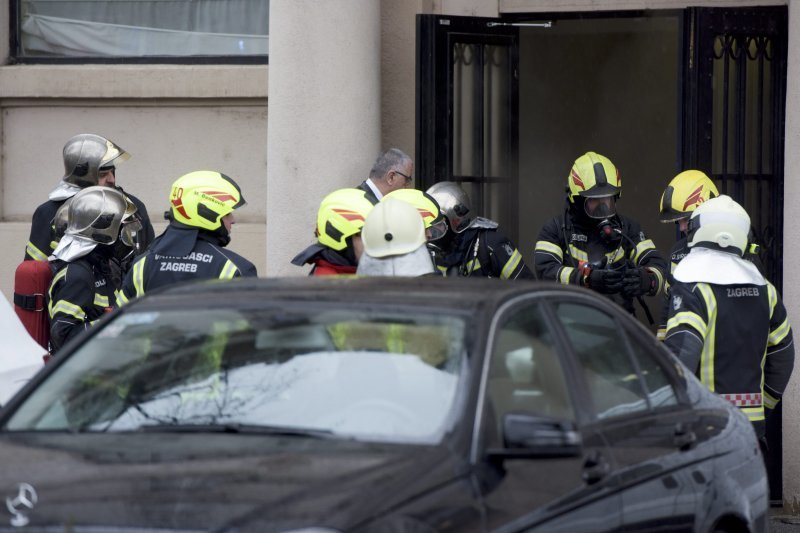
x=684 y=194
x=202 y=198
x=341 y=215
x=593 y=176
x=428 y=208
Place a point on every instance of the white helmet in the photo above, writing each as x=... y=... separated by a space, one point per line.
x=720 y=223
x=393 y=227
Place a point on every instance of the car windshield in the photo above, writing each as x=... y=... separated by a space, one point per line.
x=368 y=374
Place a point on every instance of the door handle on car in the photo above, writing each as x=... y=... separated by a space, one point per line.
x=595 y=468
x=684 y=438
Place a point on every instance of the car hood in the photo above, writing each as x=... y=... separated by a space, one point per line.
x=211 y=481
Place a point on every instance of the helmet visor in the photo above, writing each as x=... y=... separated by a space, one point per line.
x=129 y=232
x=437 y=230
x=600 y=208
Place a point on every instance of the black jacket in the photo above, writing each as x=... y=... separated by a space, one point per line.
x=180 y=255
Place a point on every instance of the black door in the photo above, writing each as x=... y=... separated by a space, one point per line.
x=467 y=108
x=734 y=105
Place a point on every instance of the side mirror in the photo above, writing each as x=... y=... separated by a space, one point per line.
x=534 y=437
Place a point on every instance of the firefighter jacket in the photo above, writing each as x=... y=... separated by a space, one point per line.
x=565 y=244
x=179 y=255
x=324 y=261
x=80 y=293
x=728 y=325
x=483 y=251
x=680 y=250
x=43 y=239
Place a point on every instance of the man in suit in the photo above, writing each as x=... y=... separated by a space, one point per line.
x=392 y=170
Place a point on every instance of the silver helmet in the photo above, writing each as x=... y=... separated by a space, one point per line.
x=86 y=154
x=454 y=203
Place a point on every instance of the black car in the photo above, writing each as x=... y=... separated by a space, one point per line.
x=375 y=405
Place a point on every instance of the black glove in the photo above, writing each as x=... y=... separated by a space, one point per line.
x=605 y=281
x=638 y=281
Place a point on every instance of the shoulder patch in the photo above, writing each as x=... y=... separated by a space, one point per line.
x=508 y=249
x=677 y=301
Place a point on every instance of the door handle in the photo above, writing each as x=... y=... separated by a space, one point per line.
x=684 y=438
x=595 y=468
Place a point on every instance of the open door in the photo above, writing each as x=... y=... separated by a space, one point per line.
x=467 y=107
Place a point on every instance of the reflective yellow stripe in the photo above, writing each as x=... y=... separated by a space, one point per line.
x=511 y=265
x=34 y=252
x=661 y=334
x=773 y=298
x=138 y=276
x=672 y=266
x=473 y=265
x=641 y=248
x=59 y=275
x=549 y=247
x=616 y=255
x=707 y=355
x=121 y=298
x=689 y=318
x=564 y=274
x=769 y=401
x=67 y=308
x=100 y=300
x=754 y=414
x=580 y=255
x=228 y=271
x=779 y=333
x=660 y=279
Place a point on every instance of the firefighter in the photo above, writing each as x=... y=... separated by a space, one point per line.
x=393 y=170
x=394 y=241
x=193 y=245
x=684 y=193
x=473 y=245
x=82 y=289
x=727 y=323
x=593 y=246
x=340 y=217
x=88 y=160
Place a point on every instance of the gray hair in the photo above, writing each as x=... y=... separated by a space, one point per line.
x=388 y=160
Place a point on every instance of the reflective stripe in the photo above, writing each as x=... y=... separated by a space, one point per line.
x=121 y=298
x=59 y=276
x=549 y=247
x=578 y=254
x=228 y=271
x=564 y=274
x=34 y=252
x=769 y=400
x=693 y=320
x=773 y=298
x=511 y=265
x=473 y=265
x=754 y=414
x=100 y=300
x=67 y=308
x=743 y=399
x=709 y=339
x=138 y=276
x=660 y=279
x=779 y=333
x=661 y=334
x=644 y=246
x=616 y=255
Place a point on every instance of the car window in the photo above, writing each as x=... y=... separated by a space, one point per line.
x=603 y=353
x=371 y=374
x=525 y=374
x=659 y=388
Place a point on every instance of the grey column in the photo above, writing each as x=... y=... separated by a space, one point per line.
x=323 y=114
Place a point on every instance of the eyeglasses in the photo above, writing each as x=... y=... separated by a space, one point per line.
x=409 y=179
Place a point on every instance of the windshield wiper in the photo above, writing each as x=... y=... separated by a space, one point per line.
x=251 y=429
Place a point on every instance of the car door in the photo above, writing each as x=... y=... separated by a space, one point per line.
x=655 y=438
x=554 y=487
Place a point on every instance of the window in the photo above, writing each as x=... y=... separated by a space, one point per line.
x=525 y=374
x=603 y=348
x=141 y=28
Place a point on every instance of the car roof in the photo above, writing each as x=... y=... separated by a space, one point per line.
x=427 y=291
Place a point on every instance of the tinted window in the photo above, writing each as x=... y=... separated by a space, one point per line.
x=525 y=373
x=659 y=388
x=603 y=354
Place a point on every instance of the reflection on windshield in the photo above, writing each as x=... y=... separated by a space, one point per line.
x=369 y=375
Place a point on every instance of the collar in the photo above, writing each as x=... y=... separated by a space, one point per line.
x=378 y=194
